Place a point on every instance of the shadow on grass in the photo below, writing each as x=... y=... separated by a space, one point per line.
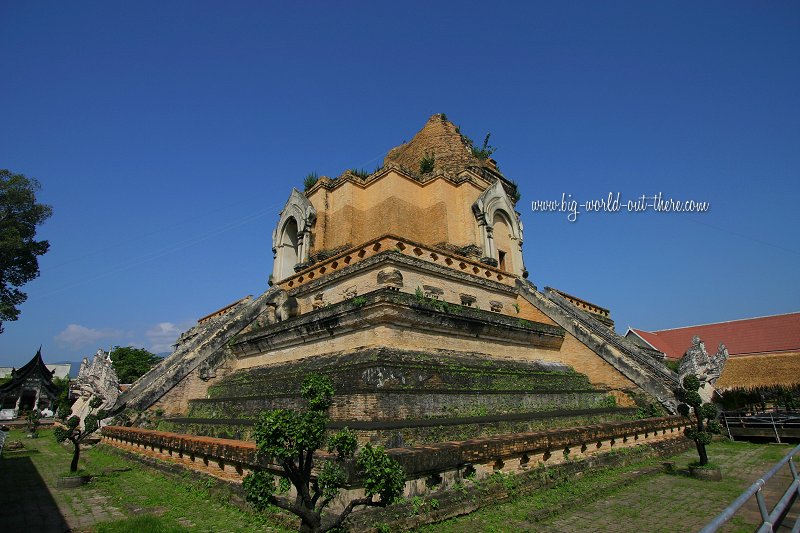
x=150 y=524
x=27 y=502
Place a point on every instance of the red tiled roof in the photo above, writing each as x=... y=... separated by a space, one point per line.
x=769 y=334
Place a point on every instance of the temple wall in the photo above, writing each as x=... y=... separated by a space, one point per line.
x=176 y=400
x=529 y=312
x=572 y=352
x=432 y=212
x=366 y=280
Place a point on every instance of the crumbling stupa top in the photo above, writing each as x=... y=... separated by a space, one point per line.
x=441 y=139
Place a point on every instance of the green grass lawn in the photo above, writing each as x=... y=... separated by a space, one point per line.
x=150 y=500
x=597 y=501
x=125 y=496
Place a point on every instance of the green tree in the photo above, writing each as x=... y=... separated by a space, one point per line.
x=132 y=363
x=62 y=393
x=19 y=217
x=72 y=432
x=290 y=439
x=32 y=419
x=705 y=423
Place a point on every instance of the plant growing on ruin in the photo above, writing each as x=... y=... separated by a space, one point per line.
x=290 y=438
x=359 y=172
x=310 y=180
x=427 y=163
x=72 y=432
x=705 y=423
x=485 y=151
x=516 y=196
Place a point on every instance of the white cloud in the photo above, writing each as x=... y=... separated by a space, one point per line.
x=75 y=335
x=163 y=335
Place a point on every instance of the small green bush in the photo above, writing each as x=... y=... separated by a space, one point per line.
x=310 y=180
x=360 y=172
x=427 y=163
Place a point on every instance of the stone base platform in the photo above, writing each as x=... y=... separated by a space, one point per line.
x=434 y=466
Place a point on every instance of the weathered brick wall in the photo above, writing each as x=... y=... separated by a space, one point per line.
x=397 y=405
x=433 y=212
x=600 y=372
x=176 y=400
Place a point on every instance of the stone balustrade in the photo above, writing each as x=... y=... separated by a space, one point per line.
x=447 y=462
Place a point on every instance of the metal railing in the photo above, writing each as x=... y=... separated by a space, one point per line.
x=776 y=424
x=769 y=519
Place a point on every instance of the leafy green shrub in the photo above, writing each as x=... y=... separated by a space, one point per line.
x=32 y=422
x=70 y=430
x=609 y=401
x=420 y=296
x=705 y=423
x=652 y=410
x=291 y=438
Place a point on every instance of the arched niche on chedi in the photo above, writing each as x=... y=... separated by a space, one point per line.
x=291 y=239
x=499 y=229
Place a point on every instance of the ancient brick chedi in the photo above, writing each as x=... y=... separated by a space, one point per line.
x=409 y=289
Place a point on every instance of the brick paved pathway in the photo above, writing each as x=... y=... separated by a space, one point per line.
x=670 y=503
x=31 y=502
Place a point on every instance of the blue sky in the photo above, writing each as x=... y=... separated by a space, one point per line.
x=167 y=136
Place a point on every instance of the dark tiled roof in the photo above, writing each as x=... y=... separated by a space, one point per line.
x=32 y=367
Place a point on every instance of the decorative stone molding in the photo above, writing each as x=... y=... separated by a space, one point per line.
x=286 y=306
x=319 y=301
x=403 y=250
x=432 y=292
x=350 y=292
x=492 y=201
x=390 y=277
x=386 y=306
x=291 y=239
x=468 y=299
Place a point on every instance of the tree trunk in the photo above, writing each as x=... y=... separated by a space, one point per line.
x=701 y=448
x=701 y=451
x=312 y=525
x=75 y=456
